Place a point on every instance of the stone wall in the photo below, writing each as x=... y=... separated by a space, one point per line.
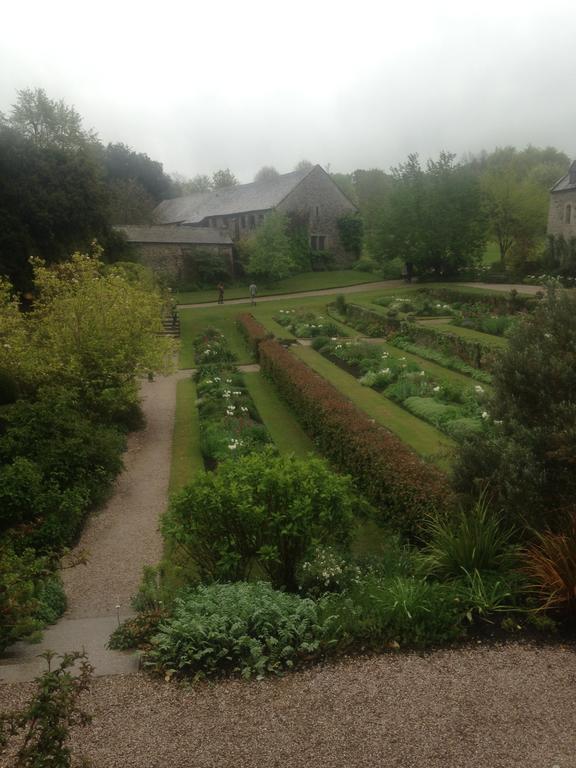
x=178 y=261
x=562 y=214
x=318 y=200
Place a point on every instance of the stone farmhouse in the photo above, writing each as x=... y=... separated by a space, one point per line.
x=562 y=211
x=210 y=223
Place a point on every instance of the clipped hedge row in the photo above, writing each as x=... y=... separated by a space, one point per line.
x=502 y=304
x=398 y=482
x=367 y=321
x=253 y=332
x=474 y=353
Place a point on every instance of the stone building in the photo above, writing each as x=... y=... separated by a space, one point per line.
x=311 y=195
x=180 y=252
x=562 y=211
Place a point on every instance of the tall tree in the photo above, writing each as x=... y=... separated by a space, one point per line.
x=304 y=165
x=266 y=173
x=47 y=122
x=433 y=218
x=224 y=178
x=184 y=186
x=270 y=250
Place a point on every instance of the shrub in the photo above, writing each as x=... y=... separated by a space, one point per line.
x=261 y=507
x=8 y=388
x=446 y=360
x=404 y=610
x=254 y=333
x=137 y=632
x=246 y=629
x=400 y=485
x=550 y=566
x=320 y=342
x=46 y=721
x=472 y=540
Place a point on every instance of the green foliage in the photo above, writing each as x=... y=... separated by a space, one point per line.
x=447 y=361
x=270 y=251
x=433 y=218
x=29 y=597
x=246 y=629
x=137 y=632
x=46 y=721
x=351 y=231
x=526 y=457
x=261 y=508
x=394 y=611
x=8 y=388
x=472 y=540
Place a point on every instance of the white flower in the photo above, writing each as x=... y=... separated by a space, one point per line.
x=422 y=373
x=436 y=389
x=232 y=446
x=498 y=421
x=385 y=370
x=479 y=389
x=547 y=335
x=485 y=415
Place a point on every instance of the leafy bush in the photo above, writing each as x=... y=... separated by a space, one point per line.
x=319 y=342
x=8 y=388
x=306 y=324
x=404 y=610
x=262 y=508
x=431 y=410
x=246 y=629
x=254 y=333
x=525 y=454
x=51 y=599
x=399 y=484
x=472 y=540
x=550 y=566
x=46 y=721
x=138 y=631
x=211 y=346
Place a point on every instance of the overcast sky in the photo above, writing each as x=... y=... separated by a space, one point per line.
x=207 y=85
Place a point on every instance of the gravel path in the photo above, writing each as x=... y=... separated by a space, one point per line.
x=124 y=536
x=497 y=707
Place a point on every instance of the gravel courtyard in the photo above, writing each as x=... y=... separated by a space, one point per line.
x=480 y=707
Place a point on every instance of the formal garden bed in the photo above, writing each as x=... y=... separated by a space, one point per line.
x=454 y=408
x=306 y=325
x=275 y=583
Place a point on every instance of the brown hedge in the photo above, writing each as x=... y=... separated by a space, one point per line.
x=397 y=481
x=254 y=332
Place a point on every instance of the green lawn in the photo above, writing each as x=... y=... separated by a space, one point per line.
x=491 y=253
x=186 y=456
x=307 y=281
x=421 y=437
x=280 y=421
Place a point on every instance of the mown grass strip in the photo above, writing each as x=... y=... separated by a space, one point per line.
x=421 y=437
x=186 y=456
x=279 y=420
x=436 y=370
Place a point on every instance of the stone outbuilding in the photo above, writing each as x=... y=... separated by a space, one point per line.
x=562 y=211
x=310 y=195
x=179 y=252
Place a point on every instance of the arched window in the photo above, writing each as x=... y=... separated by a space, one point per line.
x=568 y=214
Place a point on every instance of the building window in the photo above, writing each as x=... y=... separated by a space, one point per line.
x=243 y=222
x=568 y=214
x=251 y=221
x=318 y=242
x=317 y=211
x=260 y=218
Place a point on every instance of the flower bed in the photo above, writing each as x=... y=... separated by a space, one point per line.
x=367 y=321
x=211 y=346
x=401 y=485
x=306 y=325
x=453 y=408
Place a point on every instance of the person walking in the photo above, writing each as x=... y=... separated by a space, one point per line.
x=220 y=293
x=252 y=290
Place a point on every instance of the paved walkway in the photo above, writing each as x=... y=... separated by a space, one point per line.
x=120 y=540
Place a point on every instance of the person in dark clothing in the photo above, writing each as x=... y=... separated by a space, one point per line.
x=220 y=293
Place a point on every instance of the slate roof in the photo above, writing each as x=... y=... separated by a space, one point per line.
x=258 y=196
x=566 y=182
x=174 y=235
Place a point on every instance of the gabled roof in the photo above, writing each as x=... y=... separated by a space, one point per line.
x=174 y=235
x=566 y=182
x=258 y=196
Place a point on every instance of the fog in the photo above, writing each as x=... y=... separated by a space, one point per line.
x=202 y=86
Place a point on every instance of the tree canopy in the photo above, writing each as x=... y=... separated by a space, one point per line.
x=270 y=251
x=266 y=173
x=224 y=178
